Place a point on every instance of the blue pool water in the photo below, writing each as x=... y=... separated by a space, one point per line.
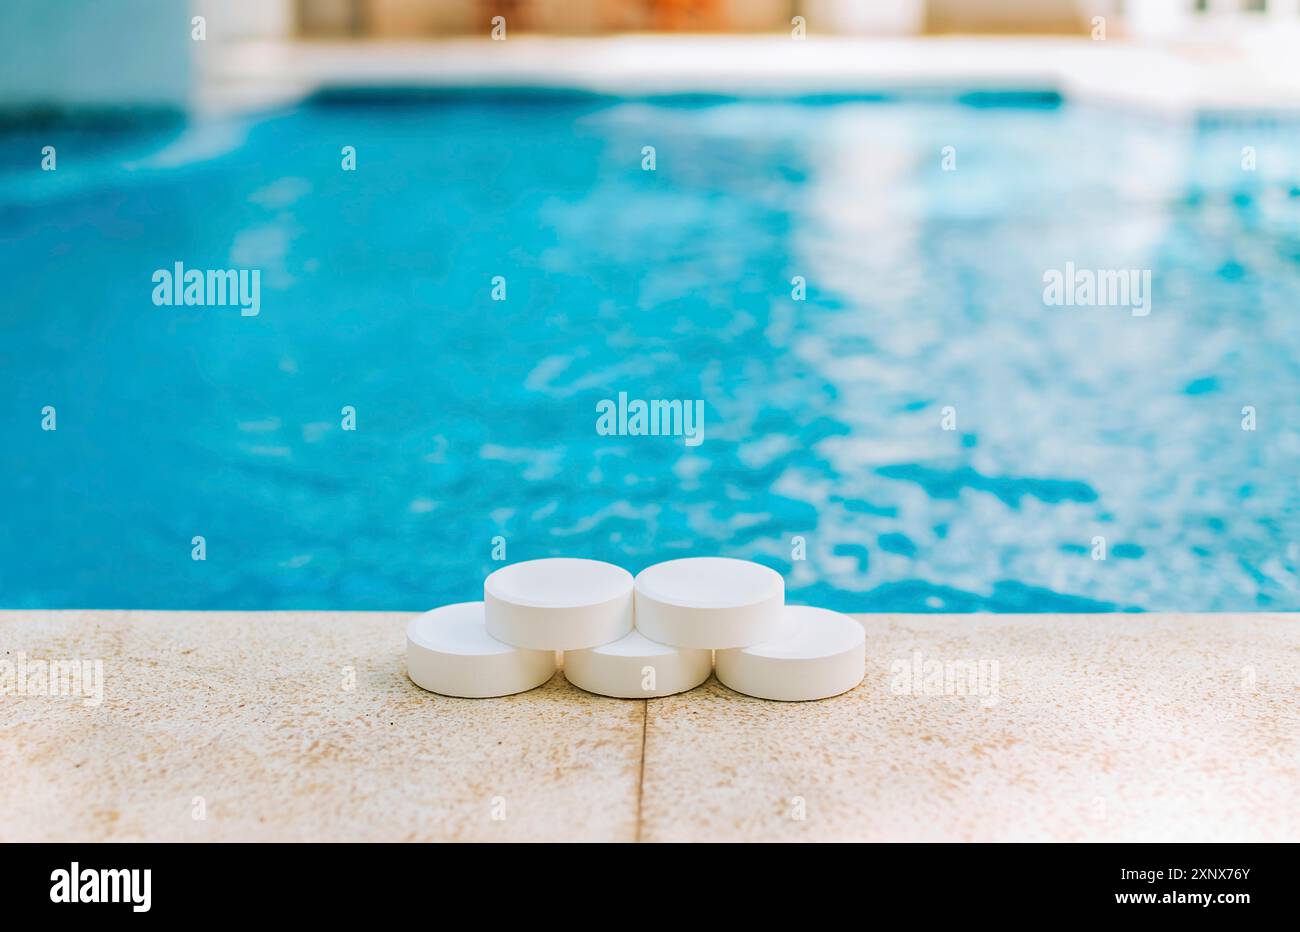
x=823 y=418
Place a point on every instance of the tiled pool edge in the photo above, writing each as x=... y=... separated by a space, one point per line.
x=1115 y=727
x=1164 y=80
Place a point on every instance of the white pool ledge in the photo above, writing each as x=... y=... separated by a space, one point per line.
x=221 y=726
x=1171 y=80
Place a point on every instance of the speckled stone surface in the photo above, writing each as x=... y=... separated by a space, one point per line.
x=303 y=725
x=1120 y=727
x=251 y=712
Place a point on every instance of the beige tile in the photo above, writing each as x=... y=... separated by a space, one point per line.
x=1102 y=727
x=249 y=712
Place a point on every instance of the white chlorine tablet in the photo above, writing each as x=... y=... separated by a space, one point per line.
x=449 y=651
x=635 y=667
x=558 y=604
x=709 y=602
x=823 y=654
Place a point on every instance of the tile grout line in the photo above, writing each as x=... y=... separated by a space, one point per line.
x=640 y=782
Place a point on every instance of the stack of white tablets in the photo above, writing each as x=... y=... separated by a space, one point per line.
x=636 y=638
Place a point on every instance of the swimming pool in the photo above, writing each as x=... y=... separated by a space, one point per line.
x=824 y=419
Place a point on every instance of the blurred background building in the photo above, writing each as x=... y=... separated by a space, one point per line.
x=91 y=53
x=409 y=18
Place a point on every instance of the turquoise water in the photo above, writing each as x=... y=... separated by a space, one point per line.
x=824 y=418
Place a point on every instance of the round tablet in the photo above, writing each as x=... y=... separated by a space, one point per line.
x=710 y=602
x=559 y=603
x=823 y=654
x=635 y=667
x=449 y=651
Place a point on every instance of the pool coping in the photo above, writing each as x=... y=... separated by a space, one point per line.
x=302 y=726
x=1175 y=81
